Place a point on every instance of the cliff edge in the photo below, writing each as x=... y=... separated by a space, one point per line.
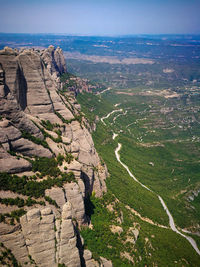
x=47 y=158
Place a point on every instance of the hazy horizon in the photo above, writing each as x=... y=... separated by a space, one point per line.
x=99 y=35
x=100 y=18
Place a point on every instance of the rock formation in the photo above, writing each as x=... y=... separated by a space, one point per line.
x=29 y=91
x=38 y=119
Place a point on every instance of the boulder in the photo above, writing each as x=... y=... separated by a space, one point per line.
x=105 y=262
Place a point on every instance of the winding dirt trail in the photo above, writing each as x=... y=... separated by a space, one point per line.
x=108 y=89
x=107 y=116
x=171 y=220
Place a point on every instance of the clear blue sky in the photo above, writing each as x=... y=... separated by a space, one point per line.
x=100 y=17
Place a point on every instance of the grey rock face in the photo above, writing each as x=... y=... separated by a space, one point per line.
x=90 y=262
x=11 y=164
x=60 y=60
x=37 y=98
x=57 y=194
x=39 y=234
x=29 y=84
x=67 y=250
x=82 y=146
x=54 y=59
x=31 y=77
x=13 y=239
x=105 y=262
x=50 y=241
x=71 y=192
x=29 y=91
x=11 y=139
x=9 y=106
x=74 y=196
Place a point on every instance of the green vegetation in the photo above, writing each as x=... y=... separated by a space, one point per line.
x=100 y=240
x=61 y=117
x=7 y=258
x=153 y=246
x=12 y=153
x=32 y=261
x=66 y=76
x=24 y=186
x=150 y=137
x=20 y=202
x=151 y=149
x=48 y=125
x=93 y=105
x=47 y=166
x=122 y=185
x=61 y=265
x=34 y=139
x=14 y=215
x=76 y=118
x=60 y=159
x=67 y=82
x=51 y=201
x=68 y=158
x=45 y=134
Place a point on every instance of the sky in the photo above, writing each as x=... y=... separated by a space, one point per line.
x=100 y=17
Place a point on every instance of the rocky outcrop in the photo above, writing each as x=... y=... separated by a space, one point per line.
x=11 y=140
x=39 y=235
x=29 y=85
x=55 y=60
x=32 y=77
x=43 y=239
x=70 y=192
x=12 y=164
x=12 y=238
x=105 y=262
x=192 y=194
x=82 y=147
x=67 y=251
x=9 y=105
x=50 y=242
x=30 y=96
x=74 y=195
x=90 y=262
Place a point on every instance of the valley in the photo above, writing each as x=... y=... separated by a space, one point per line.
x=158 y=128
x=157 y=161
x=139 y=97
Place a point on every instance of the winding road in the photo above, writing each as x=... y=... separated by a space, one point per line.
x=171 y=219
x=107 y=116
x=99 y=93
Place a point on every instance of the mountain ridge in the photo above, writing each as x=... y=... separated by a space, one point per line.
x=43 y=139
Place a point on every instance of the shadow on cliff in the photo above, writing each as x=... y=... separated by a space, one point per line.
x=89 y=207
x=80 y=247
x=22 y=89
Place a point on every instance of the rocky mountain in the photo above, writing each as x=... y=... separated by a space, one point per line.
x=48 y=162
